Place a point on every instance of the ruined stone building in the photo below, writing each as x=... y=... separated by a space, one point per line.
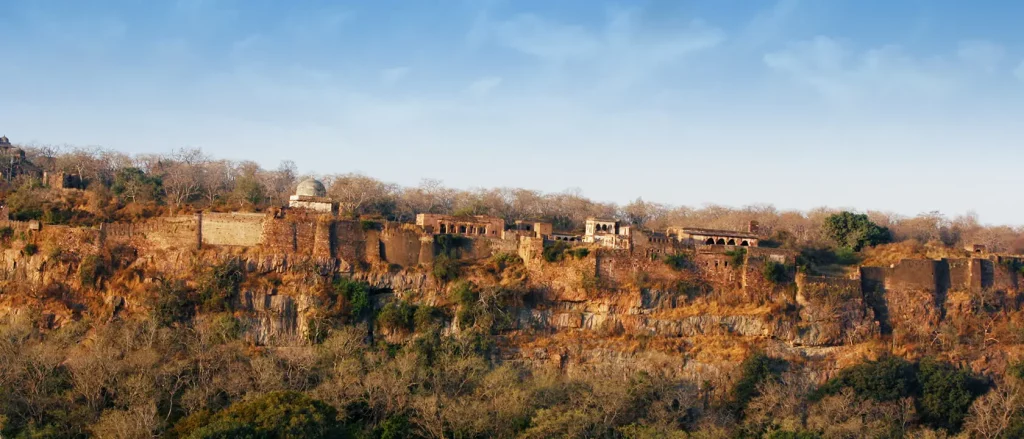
x=534 y=228
x=607 y=232
x=698 y=236
x=13 y=162
x=476 y=225
x=567 y=237
x=62 y=180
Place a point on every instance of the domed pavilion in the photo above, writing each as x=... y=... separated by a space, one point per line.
x=311 y=195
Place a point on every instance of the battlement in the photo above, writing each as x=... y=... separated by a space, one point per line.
x=939 y=276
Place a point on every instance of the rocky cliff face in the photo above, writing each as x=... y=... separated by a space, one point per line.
x=597 y=308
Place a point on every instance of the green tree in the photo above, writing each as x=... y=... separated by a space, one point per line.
x=173 y=303
x=555 y=252
x=677 y=261
x=855 y=231
x=756 y=369
x=285 y=415
x=354 y=294
x=396 y=316
x=250 y=190
x=887 y=379
x=446 y=266
x=135 y=186
x=219 y=285
x=90 y=270
x=774 y=272
x=946 y=394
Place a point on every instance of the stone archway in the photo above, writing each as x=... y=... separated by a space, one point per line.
x=720 y=241
x=744 y=243
x=710 y=241
x=731 y=242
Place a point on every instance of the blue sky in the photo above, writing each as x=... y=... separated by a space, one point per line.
x=906 y=106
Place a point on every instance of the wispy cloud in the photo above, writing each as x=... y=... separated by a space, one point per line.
x=616 y=54
x=393 y=75
x=847 y=76
x=768 y=25
x=622 y=34
x=483 y=86
x=981 y=54
x=324 y=23
x=546 y=39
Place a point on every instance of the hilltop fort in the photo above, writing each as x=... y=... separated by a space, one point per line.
x=224 y=279
x=308 y=230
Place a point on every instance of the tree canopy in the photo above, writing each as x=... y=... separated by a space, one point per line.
x=855 y=231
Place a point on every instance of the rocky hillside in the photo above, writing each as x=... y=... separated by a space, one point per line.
x=697 y=317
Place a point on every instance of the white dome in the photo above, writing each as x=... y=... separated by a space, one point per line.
x=311 y=187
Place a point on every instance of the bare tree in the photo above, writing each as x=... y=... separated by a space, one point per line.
x=182 y=175
x=993 y=413
x=280 y=182
x=84 y=162
x=249 y=189
x=217 y=178
x=358 y=194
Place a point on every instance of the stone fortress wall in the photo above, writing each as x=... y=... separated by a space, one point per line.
x=302 y=233
x=234 y=229
x=298 y=232
x=294 y=232
x=939 y=276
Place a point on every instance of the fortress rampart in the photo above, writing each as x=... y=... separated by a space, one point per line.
x=940 y=276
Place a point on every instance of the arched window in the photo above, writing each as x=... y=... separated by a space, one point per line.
x=720 y=241
x=732 y=242
x=744 y=243
x=710 y=241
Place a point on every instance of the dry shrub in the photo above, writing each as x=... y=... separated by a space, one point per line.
x=888 y=254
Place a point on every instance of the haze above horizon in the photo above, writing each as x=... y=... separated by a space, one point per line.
x=907 y=106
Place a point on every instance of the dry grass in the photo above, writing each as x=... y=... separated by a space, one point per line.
x=888 y=254
x=715 y=349
x=715 y=309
